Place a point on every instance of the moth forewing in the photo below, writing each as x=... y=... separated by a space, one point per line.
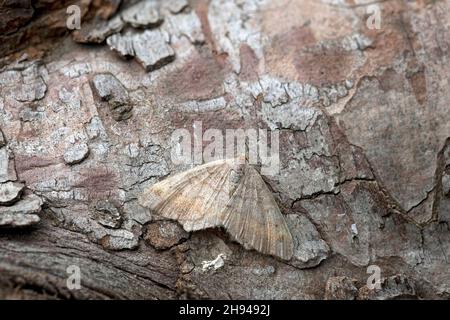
x=224 y=193
x=253 y=218
x=192 y=197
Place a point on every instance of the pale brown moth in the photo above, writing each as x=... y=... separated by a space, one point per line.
x=226 y=193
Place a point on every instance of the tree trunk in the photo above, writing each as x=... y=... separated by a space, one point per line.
x=357 y=92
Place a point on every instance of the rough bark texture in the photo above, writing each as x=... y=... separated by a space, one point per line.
x=364 y=122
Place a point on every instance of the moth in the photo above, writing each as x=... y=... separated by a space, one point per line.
x=227 y=193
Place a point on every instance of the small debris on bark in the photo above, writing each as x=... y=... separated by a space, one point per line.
x=215 y=264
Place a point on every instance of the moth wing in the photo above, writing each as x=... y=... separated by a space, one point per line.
x=194 y=198
x=253 y=218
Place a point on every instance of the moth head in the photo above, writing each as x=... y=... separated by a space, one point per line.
x=236 y=173
x=241 y=158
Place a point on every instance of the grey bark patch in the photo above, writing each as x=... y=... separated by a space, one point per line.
x=2 y=139
x=134 y=211
x=32 y=90
x=10 y=220
x=446 y=184
x=107 y=214
x=4 y=163
x=122 y=44
x=28 y=114
x=309 y=248
x=185 y=24
x=119 y=240
x=150 y=47
x=28 y=204
x=76 y=153
x=262 y=271
x=110 y=89
x=26 y=82
x=143 y=14
x=10 y=192
x=7 y=169
x=289 y=116
x=357 y=41
x=175 y=6
x=340 y=288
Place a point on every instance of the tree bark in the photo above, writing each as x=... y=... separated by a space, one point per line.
x=356 y=90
